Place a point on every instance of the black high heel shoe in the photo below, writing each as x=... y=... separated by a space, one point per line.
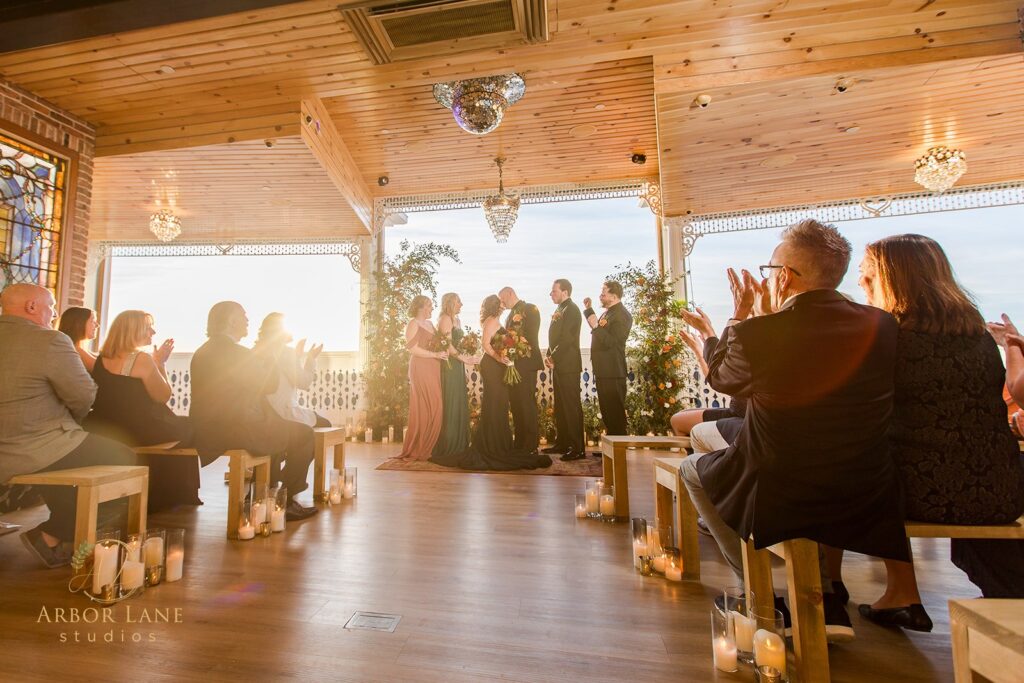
x=911 y=617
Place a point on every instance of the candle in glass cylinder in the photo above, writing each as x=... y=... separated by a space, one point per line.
x=277 y=520
x=725 y=653
x=246 y=531
x=607 y=505
x=770 y=650
x=335 y=495
x=653 y=541
x=259 y=512
x=592 y=501
x=581 y=506
x=154 y=551
x=673 y=573
x=348 y=492
x=391 y=432
x=659 y=564
x=132 y=575
x=369 y=435
x=175 y=564
x=104 y=566
x=744 y=627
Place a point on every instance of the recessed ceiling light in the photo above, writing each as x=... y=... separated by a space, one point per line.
x=851 y=129
x=384 y=131
x=165 y=69
x=599 y=107
x=584 y=130
x=265 y=188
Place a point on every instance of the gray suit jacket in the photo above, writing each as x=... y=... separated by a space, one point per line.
x=44 y=392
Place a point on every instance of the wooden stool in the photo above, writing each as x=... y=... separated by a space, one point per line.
x=613 y=459
x=99 y=484
x=327 y=440
x=240 y=460
x=988 y=638
x=672 y=501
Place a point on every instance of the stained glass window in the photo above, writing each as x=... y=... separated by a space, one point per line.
x=31 y=214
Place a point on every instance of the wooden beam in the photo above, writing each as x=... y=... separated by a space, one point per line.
x=327 y=145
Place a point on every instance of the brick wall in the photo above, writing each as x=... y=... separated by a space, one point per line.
x=22 y=112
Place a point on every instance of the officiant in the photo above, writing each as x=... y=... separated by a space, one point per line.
x=565 y=364
x=608 y=354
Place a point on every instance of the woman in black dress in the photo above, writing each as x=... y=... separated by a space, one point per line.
x=131 y=407
x=958 y=460
x=491 y=447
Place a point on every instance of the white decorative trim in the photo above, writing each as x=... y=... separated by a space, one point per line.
x=345 y=246
x=535 y=194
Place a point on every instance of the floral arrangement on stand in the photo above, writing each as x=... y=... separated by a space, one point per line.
x=398 y=278
x=656 y=352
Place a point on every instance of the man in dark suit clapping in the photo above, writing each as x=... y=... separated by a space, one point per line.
x=565 y=364
x=524 y=319
x=608 y=355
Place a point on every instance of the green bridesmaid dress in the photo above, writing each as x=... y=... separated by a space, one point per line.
x=454 y=437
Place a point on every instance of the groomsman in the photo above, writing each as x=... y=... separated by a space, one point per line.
x=564 y=362
x=524 y=318
x=608 y=354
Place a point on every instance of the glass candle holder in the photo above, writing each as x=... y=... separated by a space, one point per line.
x=391 y=433
x=133 y=569
x=723 y=641
x=405 y=430
x=175 y=560
x=594 y=499
x=769 y=639
x=246 y=531
x=350 y=488
x=106 y=555
x=153 y=553
x=279 y=515
x=646 y=566
x=368 y=435
x=653 y=540
x=607 y=502
x=259 y=508
x=673 y=564
x=580 y=500
x=334 y=492
x=638 y=528
x=737 y=602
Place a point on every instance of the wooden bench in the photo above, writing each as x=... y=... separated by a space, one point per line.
x=239 y=462
x=98 y=484
x=613 y=459
x=988 y=638
x=672 y=501
x=803 y=579
x=327 y=440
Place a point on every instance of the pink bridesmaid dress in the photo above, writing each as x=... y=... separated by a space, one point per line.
x=425 y=405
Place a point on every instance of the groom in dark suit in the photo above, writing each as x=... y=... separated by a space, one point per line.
x=608 y=354
x=524 y=318
x=565 y=364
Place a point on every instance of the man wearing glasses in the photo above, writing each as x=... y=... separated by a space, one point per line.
x=811 y=459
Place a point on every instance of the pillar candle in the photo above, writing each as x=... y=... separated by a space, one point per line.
x=592 y=501
x=744 y=628
x=104 y=566
x=653 y=541
x=725 y=654
x=349 y=491
x=154 y=551
x=335 y=496
x=391 y=433
x=277 y=520
x=608 y=505
x=175 y=564
x=770 y=650
x=639 y=550
x=673 y=573
x=132 y=575
x=259 y=513
x=581 y=511
x=369 y=435
x=659 y=564
x=134 y=551
x=246 y=531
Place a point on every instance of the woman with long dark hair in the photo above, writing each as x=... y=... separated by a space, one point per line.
x=81 y=326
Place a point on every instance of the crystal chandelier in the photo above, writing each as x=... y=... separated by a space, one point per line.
x=939 y=168
x=501 y=209
x=165 y=225
x=479 y=104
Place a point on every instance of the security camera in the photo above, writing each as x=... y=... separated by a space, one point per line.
x=269 y=143
x=383 y=180
x=844 y=84
x=309 y=119
x=639 y=158
x=702 y=101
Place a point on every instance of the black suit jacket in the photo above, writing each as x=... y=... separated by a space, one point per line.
x=608 y=342
x=564 y=338
x=812 y=459
x=528 y=325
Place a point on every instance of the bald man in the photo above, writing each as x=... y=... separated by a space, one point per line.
x=45 y=391
x=524 y=318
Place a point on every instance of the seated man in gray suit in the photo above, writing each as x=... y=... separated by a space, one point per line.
x=44 y=392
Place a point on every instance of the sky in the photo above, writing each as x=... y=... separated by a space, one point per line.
x=580 y=241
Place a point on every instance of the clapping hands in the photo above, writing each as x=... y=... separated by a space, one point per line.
x=744 y=293
x=700 y=322
x=1006 y=333
x=162 y=353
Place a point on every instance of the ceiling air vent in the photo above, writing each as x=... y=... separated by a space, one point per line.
x=392 y=31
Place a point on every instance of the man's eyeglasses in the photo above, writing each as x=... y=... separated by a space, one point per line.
x=766 y=271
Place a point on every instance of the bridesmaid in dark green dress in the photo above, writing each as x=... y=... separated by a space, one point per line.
x=455 y=421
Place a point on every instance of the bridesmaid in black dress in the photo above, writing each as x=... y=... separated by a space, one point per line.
x=131 y=407
x=491 y=447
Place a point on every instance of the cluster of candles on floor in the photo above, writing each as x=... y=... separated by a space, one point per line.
x=741 y=633
x=597 y=503
x=263 y=512
x=351 y=431
x=342 y=487
x=121 y=569
x=650 y=556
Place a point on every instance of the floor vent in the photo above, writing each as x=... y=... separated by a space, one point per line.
x=373 y=621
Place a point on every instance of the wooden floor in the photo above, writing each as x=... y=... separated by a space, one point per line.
x=492 y=575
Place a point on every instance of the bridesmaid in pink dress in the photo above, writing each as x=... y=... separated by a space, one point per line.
x=425 y=403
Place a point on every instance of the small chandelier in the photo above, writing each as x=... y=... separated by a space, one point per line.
x=501 y=209
x=479 y=104
x=940 y=168
x=165 y=225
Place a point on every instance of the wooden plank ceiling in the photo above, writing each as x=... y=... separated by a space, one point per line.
x=244 y=190
x=221 y=80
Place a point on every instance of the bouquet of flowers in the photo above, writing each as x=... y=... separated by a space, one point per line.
x=442 y=342
x=511 y=345
x=470 y=343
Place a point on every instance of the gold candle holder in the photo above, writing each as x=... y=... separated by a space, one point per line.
x=154 y=575
x=265 y=529
x=646 y=565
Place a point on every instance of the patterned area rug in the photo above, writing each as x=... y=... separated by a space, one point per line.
x=585 y=467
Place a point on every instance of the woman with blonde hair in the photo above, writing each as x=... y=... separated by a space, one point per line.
x=131 y=406
x=958 y=461
x=454 y=436
x=295 y=369
x=424 y=382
